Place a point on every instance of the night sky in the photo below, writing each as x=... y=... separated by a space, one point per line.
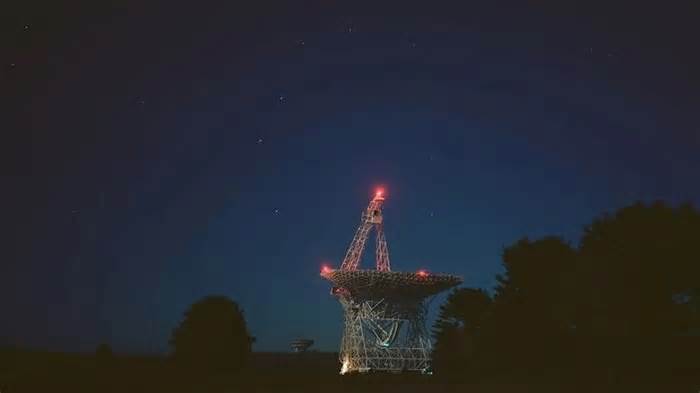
x=160 y=153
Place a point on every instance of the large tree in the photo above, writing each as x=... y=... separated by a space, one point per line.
x=524 y=327
x=637 y=281
x=530 y=319
x=212 y=336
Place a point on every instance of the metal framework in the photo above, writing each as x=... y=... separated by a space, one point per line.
x=384 y=311
x=371 y=217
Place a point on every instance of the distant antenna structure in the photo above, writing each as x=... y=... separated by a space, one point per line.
x=301 y=344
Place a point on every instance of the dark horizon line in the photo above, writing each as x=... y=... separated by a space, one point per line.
x=149 y=354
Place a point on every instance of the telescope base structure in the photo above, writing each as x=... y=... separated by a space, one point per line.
x=384 y=335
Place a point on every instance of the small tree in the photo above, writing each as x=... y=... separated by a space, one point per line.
x=212 y=336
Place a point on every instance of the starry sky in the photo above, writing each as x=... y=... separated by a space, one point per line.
x=159 y=153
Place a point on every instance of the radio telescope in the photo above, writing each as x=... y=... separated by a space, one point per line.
x=384 y=310
x=301 y=344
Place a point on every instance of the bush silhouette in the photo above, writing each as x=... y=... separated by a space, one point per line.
x=212 y=337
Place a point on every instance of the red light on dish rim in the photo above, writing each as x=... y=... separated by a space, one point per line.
x=325 y=269
x=380 y=192
x=422 y=273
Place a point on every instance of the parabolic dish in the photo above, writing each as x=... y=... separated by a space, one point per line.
x=375 y=284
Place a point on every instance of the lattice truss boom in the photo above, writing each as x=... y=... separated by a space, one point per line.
x=371 y=218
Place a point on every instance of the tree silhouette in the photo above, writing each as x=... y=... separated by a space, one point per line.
x=623 y=306
x=457 y=331
x=212 y=336
x=637 y=283
x=530 y=315
x=526 y=324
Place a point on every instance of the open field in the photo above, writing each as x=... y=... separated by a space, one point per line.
x=269 y=372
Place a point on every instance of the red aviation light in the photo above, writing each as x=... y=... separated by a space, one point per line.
x=422 y=273
x=325 y=269
x=379 y=194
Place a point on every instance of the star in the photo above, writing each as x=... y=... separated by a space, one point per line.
x=413 y=44
x=260 y=141
x=349 y=29
x=300 y=42
x=26 y=27
x=431 y=213
x=283 y=99
x=276 y=211
x=12 y=65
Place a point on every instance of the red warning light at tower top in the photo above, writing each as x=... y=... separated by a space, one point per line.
x=379 y=193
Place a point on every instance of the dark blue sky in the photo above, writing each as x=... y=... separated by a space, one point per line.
x=165 y=152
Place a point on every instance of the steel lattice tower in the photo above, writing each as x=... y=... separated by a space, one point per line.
x=371 y=217
x=384 y=311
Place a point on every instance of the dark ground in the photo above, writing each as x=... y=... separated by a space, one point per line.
x=24 y=371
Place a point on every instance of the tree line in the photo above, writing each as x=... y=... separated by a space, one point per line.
x=622 y=305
